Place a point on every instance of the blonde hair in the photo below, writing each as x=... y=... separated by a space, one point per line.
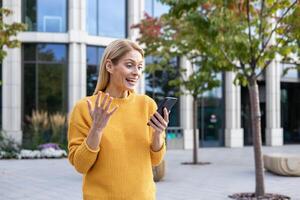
x=114 y=52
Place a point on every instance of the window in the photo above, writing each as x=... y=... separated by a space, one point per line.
x=155 y=8
x=1 y=95
x=94 y=55
x=291 y=74
x=44 y=78
x=0 y=85
x=157 y=86
x=211 y=116
x=45 y=15
x=107 y=18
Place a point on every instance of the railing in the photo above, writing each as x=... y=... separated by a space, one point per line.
x=175 y=138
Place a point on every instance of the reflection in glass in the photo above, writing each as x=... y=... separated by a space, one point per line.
x=157 y=86
x=211 y=116
x=91 y=19
x=112 y=24
x=103 y=22
x=51 y=52
x=30 y=52
x=291 y=73
x=1 y=92
x=45 y=79
x=94 y=55
x=290 y=115
x=155 y=8
x=29 y=14
x=45 y=15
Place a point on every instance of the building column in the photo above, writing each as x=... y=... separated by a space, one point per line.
x=77 y=52
x=274 y=132
x=186 y=112
x=234 y=134
x=11 y=81
x=135 y=14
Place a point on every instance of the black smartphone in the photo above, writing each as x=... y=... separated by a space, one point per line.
x=167 y=102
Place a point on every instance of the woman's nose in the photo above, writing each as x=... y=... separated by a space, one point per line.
x=135 y=70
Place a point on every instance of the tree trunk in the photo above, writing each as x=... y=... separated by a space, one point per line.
x=256 y=135
x=195 y=147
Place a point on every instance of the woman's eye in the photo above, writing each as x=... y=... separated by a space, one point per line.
x=140 y=68
x=128 y=65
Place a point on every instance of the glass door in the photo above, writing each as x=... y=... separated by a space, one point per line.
x=211 y=118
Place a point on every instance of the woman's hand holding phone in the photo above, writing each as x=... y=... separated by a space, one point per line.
x=159 y=124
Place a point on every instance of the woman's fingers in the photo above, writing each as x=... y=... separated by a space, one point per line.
x=104 y=101
x=159 y=124
x=97 y=100
x=161 y=120
x=166 y=115
x=90 y=107
x=108 y=104
x=154 y=126
x=113 y=110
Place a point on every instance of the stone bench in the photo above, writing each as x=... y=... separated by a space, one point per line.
x=282 y=164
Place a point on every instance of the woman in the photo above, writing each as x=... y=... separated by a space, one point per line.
x=116 y=135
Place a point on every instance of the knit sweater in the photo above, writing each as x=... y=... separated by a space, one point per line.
x=121 y=168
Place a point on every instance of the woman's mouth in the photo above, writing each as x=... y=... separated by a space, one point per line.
x=131 y=81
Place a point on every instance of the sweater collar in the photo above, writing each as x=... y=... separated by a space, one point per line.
x=125 y=99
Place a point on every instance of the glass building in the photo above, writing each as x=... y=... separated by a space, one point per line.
x=58 y=64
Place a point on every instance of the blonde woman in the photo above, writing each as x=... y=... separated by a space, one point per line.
x=116 y=135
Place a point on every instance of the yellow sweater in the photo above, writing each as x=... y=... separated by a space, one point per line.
x=122 y=166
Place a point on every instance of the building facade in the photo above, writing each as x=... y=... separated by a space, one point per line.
x=58 y=61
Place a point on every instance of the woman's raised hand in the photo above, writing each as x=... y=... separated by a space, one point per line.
x=101 y=114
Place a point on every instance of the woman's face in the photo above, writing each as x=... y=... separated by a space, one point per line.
x=126 y=73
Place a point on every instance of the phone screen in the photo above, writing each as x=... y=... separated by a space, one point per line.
x=168 y=103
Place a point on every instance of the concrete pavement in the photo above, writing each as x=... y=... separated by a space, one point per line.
x=230 y=171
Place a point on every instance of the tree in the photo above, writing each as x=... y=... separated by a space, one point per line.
x=8 y=33
x=240 y=36
x=199 y=79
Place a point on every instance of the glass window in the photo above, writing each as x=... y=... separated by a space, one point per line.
x=51 y=52
x=94 y=55
x=103 y=22
x=0 y=95
x=45 y=78
x=291 y=73
x=211 y=116
x=155 y=8
x=92 y=17
x=157 y=86
x=45 y=15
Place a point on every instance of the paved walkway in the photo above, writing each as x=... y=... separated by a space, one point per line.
x=231 y=171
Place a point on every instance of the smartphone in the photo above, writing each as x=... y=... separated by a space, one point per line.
x=167 y=102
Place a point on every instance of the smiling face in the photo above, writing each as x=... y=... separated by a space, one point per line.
x=125 y=74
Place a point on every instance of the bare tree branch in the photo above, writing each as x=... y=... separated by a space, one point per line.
x=243 y=68
x=228 y=59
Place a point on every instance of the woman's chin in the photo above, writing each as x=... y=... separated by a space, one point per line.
x=130 y=86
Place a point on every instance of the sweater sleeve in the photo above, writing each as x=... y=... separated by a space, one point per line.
x=80 y=155
x=156 y=156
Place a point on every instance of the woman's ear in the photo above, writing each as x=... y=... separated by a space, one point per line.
x=109 y=66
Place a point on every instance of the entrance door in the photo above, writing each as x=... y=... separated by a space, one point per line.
x=211 y=119
x=290 y=112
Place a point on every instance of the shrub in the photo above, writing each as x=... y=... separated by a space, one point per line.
x=8 y=147
x=38 y=127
